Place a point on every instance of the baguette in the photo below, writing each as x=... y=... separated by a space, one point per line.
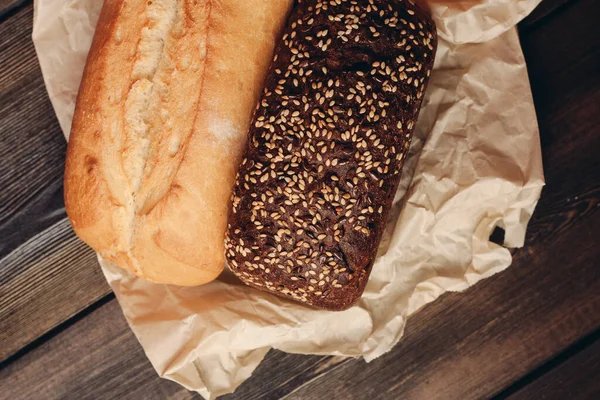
x=326 y=148
x=159 y=129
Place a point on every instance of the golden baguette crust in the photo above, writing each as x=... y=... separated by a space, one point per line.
x=159 y=129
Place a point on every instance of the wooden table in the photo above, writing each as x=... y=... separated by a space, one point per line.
x=530 y=332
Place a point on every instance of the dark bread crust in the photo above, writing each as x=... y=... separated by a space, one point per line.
x=326 y=148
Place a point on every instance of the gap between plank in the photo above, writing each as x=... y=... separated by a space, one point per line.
x=7 y=11
x=57 y=329
x=535 y=374
x=569 y=352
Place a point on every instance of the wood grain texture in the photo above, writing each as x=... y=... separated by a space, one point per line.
x=571 y=144
x=32 y=148
x=117 y=368
x=551 y=295
x=473 y=345
x=46 y=274
x=470 y=345
x=8 y=6
x=577 y=377
x=47 y=280
x=543 y=10
x=96 y=358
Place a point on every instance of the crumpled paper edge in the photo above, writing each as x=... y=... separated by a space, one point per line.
x=487 y=258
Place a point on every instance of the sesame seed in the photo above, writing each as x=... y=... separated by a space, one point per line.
x=329 y=151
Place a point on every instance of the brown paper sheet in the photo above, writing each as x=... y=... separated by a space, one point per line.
x=475 y=164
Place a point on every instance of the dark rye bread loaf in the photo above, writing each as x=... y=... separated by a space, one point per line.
x=326 y=148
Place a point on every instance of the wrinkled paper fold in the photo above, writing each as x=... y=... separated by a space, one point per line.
x=475 y=165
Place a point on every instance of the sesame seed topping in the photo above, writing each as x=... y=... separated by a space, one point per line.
x=327 y=145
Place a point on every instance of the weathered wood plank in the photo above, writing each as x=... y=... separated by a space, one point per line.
x=576 y=377
x=445 y=335
x=44 y=208
x=8 y=6
x=543 y=10
x=32 y=147
x=96 y=358
x=46 y=274
x=44 y=282
x=566 y=100
x=453 y=315
x=473 y=345
x=279 y=373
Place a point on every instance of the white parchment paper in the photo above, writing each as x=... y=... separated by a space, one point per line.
x=475 y=164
